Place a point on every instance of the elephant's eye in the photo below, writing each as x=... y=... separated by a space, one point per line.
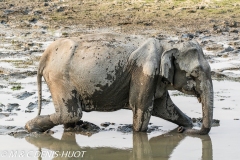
x=195 y=72
x=190 y=84
x=191 y=78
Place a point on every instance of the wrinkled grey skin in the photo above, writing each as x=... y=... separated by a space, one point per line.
x=107 y=72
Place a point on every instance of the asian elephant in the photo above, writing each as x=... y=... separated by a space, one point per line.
x=107 y=72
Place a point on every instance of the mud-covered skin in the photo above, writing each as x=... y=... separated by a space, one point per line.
x=107 y=72
x=169 y=111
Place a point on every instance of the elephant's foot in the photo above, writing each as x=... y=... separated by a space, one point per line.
x=202 y=131
x=69 y=125
x=185 y=121
x=39 y=124
x=181 y=129
x=141 y=120
x=72 y=125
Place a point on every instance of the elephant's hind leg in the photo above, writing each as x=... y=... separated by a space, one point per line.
x=67 y=107
x=39 y=124
x=166 y=109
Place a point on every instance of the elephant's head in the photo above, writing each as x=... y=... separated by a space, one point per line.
x=185 y=68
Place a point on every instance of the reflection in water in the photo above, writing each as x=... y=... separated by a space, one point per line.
x=163 y=146
x=160 y=147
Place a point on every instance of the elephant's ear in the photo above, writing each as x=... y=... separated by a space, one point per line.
x=167 y=67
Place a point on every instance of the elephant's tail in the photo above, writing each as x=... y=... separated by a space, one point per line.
x=39 y=83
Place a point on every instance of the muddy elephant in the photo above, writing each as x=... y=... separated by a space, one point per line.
x=108 y=72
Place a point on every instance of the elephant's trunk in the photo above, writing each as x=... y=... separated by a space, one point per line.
x=207 y=108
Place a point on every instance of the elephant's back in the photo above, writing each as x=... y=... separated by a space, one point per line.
x=100 y=67
x=101 y=58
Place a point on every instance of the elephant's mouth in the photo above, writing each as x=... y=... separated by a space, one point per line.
x=194 y=92
x=197 y=95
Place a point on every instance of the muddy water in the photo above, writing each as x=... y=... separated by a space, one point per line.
x=222 y=142
x=166 y=146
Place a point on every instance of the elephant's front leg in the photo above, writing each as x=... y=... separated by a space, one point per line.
x=141 y=101
x=166 y=109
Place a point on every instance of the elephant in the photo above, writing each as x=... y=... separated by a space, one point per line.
x=108 y=72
